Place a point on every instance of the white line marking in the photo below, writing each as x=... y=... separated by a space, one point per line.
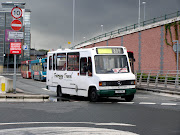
x=168 y=104
x=45 y=89
x=147 y=103
x=143 y=97
x=114 y=124
x=66 y=130
x=23 y=123
x=125 y=102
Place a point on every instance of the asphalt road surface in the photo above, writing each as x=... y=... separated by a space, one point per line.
x=148 y=114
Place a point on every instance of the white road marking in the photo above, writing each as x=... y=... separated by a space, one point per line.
x=65 y=130
x=147 y=103
x=168 y=104
x=125 y=102
x=45 y=89
x=92 y=123
x=114 y=124
x=143 y=97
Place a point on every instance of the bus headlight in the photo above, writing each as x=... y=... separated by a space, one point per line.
x=102 y=83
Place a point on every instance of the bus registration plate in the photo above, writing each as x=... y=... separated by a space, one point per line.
x=120 y=91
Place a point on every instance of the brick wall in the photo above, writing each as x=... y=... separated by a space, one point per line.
x=149 y=47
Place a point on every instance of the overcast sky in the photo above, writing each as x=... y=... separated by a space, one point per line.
x=52 y=20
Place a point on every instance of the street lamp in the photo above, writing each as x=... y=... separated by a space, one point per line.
x=139 y=17
x=73 y=20
x=102 y=28
x=144 y=3
x=84 y=38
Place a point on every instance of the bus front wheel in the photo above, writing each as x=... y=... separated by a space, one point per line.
x=59 y=92
x=93 y=96
x=129 y=98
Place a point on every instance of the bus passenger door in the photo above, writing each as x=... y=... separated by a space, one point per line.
x=49 y=70
x=85 y=75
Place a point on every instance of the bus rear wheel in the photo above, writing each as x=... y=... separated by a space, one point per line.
x=59 y=92
x=93 y=96
x=129 y=98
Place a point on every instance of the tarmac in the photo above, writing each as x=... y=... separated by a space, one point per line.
x=23 y=96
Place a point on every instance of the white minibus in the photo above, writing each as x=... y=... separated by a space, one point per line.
x=91 y=72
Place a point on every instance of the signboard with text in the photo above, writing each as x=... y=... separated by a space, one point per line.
x=15 y=48
x=16 y=35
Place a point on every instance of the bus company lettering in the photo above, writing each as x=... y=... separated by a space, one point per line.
x=63 y=76
x=67 y=76
x=36 y=73
x=58 y=76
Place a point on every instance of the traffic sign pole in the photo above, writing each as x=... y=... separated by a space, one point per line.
x=16 y=25
x=14 y=76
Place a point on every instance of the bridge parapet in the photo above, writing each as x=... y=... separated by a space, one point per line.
x=148 y=24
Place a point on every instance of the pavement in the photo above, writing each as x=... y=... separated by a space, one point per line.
x=170 y=89
x=22 y=96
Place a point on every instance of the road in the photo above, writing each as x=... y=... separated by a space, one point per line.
x=148 y=114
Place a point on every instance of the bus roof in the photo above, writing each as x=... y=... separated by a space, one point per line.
x=84 y=49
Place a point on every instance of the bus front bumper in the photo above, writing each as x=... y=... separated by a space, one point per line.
x=116 y=93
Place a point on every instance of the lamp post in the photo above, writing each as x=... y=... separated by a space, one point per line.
x=177 y=53
x=139 y=16
x=73 y=20
x=102 y=28
x=144 y=3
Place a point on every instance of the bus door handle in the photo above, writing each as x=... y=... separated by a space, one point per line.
x=76 y=87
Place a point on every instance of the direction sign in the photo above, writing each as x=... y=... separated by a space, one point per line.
x=15 y=35
x=25 y=47
x=16 y=25
x=16 y=12
x=15 y=47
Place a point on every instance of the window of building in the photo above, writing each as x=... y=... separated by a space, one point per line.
x=50 y=62
x=61 y=61
x=73 y=61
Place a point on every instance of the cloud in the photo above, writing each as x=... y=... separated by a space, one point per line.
x=51 y=20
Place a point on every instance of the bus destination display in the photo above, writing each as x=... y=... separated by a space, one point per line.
x=109 y=51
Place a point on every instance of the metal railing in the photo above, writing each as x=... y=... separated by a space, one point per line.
x=10 y=71
x=134 y=26
x=164 y=79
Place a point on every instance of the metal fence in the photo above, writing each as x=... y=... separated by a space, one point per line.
x=163 y=79
x=10 y=71
x=134 y=26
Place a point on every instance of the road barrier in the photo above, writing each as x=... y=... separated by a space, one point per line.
x=158 y=79
x=6 y=84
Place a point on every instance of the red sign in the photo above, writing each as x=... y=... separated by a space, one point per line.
x=16 y=25
x=15 y=47
x=16 y=12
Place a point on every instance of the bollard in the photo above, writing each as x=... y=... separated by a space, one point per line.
x=6 y=84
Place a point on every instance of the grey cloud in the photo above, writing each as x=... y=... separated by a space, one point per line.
x=51 y=20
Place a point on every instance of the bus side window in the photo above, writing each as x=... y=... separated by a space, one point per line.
x=73 y=61
x=89 y=66
x=61 y=61
x=83 y=66
x=54 y=58
x=50 y=62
